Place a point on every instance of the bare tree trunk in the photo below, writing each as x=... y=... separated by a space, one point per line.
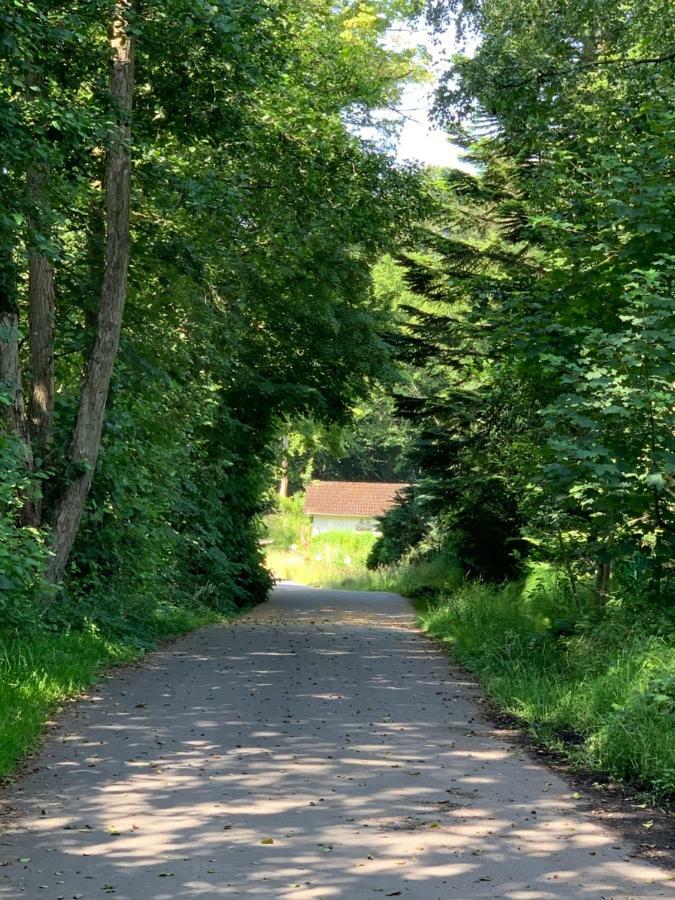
x=40 y=344
x=41 y=358
x=40 y=319
x=603 y=574
x=41 y=309
x=12 y=410
x=283 y=480
x=86 y=439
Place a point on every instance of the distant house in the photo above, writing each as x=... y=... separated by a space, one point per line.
x=349 y=505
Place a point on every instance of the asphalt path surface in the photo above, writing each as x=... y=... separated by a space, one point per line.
x=319 y=747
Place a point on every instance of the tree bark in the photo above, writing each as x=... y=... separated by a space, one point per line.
x=86 y=438
x=13 y=409
x=40 y=317
x=41 y=361
x=41 y=308
x=283 y=480
x=12 y=413
x=603 y=575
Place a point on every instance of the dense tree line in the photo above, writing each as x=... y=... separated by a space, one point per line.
x=543 y=329
x=187 y=226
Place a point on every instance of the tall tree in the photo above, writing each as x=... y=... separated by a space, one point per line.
x=255 y=213
x=86 y=438
x=566 y=110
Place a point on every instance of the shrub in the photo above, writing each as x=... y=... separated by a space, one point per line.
x=22 y=550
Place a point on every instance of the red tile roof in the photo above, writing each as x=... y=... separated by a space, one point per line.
x=351 y=498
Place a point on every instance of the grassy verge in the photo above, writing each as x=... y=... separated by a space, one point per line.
x=37 y=673
x=601 y=690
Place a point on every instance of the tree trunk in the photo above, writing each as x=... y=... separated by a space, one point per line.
x=86 y=439
x=283 y=480
x=41 y=359
x=41 y=308
x=40 y=317
x=602 y=577
x=12 y=408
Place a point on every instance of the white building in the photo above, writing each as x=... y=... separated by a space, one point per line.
x=349 y=505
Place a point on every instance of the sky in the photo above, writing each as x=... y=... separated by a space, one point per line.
x=420 y=140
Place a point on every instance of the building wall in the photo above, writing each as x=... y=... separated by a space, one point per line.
x=321 y=524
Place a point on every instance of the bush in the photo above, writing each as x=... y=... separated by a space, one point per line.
x=22 y=550
x=433 y=575
x=487 y=533
x=402 y=528
x=481 y=530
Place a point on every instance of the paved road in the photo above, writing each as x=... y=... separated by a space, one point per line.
x=318 y=748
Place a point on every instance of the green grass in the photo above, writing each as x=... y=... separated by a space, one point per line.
x=289 y=526
x=38 y=673
x=608 y=684
x=336 y=559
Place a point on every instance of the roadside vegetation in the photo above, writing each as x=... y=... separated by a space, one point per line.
x=600 y=689
x=335 y=559
x=39 y=671
x=597 y=686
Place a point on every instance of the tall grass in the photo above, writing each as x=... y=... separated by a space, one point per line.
x=335 y=559
x=288 y=527
x=601 y=690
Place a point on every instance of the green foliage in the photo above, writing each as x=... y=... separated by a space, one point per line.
x=600 y=691
x=256 y=217
x=288 y=527
x=332 y=559
x=428 y=576
x=541 y=325
x=370 y=441
x=22 y=550
x=402 y=529
x=611 y=456
x=352 y=547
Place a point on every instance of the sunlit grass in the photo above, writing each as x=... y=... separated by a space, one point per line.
x=608 y=684
x=38 y=673
x=333 y=560
x=320 y=574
